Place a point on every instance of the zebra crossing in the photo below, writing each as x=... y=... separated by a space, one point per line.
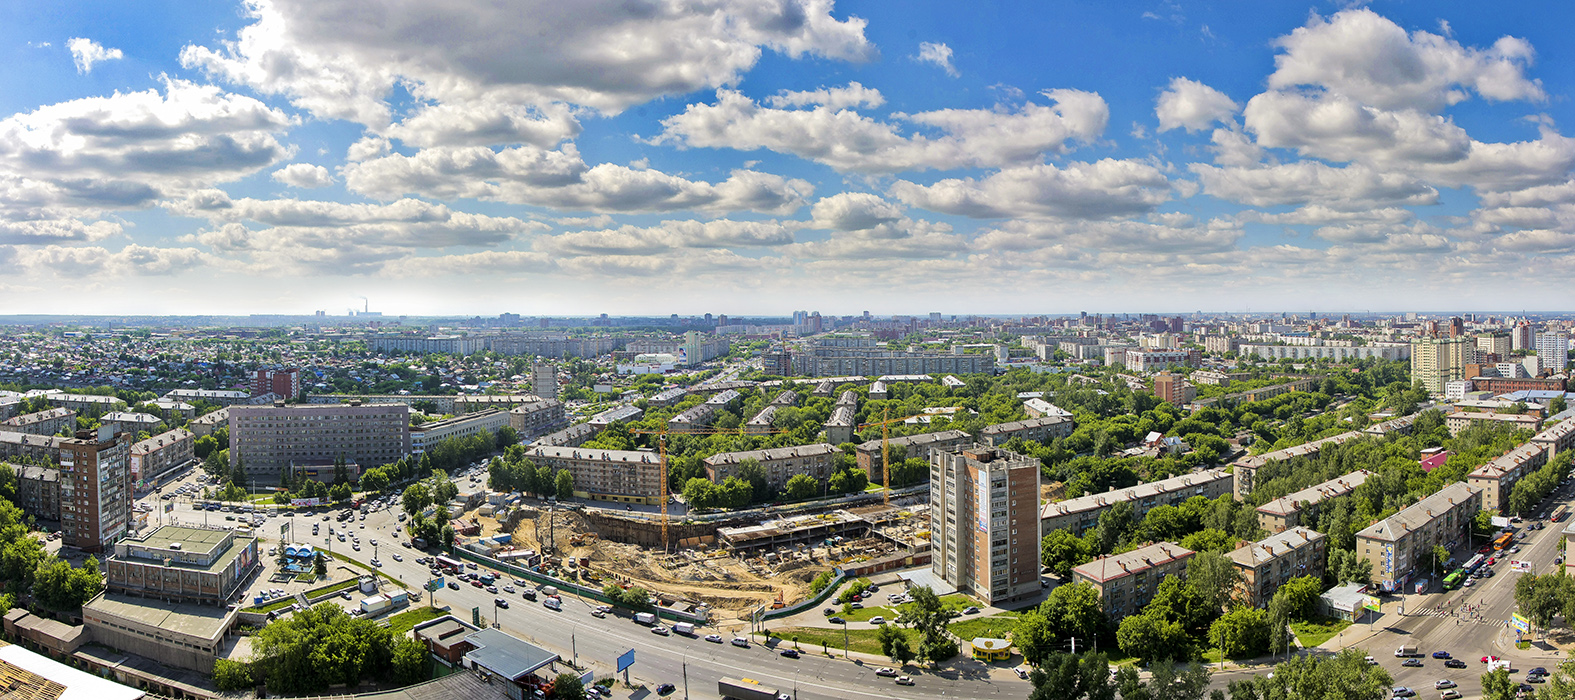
x=1445 y=612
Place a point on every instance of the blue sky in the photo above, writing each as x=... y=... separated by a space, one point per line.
x=760 y=156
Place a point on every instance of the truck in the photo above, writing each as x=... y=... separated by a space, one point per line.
x=549 y=590
x=645 y=618
x=1407 y=650
x=684 y=628
x=747 y=689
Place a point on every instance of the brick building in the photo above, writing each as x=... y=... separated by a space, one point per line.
x=1268 y=563
x=1127 y=582
x=984 y=522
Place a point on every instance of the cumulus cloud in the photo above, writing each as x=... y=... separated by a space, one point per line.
x=939 y=55
x=342 y=61
x=849 y=141
x=1352 y=187
x=504 y=262
x=670 y=235
x=1102 y=189
x=1334 y=127
x=303 y=175
x=486 y=123
x=854 y=211
x=1368 y=57
x=138 y=260
x=86 y=52
x=1191 y=105
x=851 y=95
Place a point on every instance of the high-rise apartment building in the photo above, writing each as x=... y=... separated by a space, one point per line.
x=984 y=520
x=544 y=380
x=1521 y=337
x=1435 y=361
x=1173 y=389
x=1553 y=350
x=272 y=439
x=286 y=383
x=1494 y=344
x=95 y=488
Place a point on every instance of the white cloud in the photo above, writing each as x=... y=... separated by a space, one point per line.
x=854 y=211
x=1333 y=127
x=1352 y=187
x=851 y=95
x=1102 y=189
x=939 y=55
x=86 y=52
x=671 y=266
x=493 y=262
x=1191 y=105
x=849 y=141
x=670 y=235
x=56 y=231
x=138 y=260
x=485 y=123
x=561 y=180
x=343 y=61
x=1363 y=55
x=303 y=175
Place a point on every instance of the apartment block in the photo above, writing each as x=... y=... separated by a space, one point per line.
x=1436 y=361
x=625 y=476
x=1290 y=511
x=1154 y=360
x=1557 y=438
x=667 y=397
x=1459 y=420
x=1127 y=582
x=38 y=491
x=984 y=522
x=872 y=460
x=780 y=463
x=29 y=446
x=1040 y=430
x=1505 y=385
x=95 y=488
x=1173 y=389
x=1081 y=513
x=161 y=454
x=1553 y=351
x=46 y=422
x=183 y=563
x=839 y=427
x=544 y=380
x=269 y=440
x=215 y=397
x=502 y=402
x=85 y=404
x=1268 y=563
x=132 y=422
x=1336 y=353
x=538 y=418
x=1398 y=543
x=284 y=383
x=572 y=436
x=1245 y=470
x=206 y=423
x=1497 y=478
x=1039 y=408
x=427 y=435
x=701 y=415
x=1219 y=344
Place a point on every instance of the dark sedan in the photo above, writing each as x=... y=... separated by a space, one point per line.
x=1454 y=663
x=1441 y=655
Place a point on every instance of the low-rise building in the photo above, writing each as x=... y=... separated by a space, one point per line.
x=879 y=391
x=1138 y=360
x=839 y=427
x=1497 y=478
x=1040 y=430
x=1268 y=563
x=537 y=418
x=215 y=397
x=701 y=415
x=1397 y=544
x=624 y=476
x=445 y=637
x=1040 y=408
x=128 y=422
x=205 y=424
x=1127 y=582
x=161 y=454
x=1289 y=511
x=46 y=422
x=171 y=407
x=183 y=563
x=760 y=424
x=921 y=446
x=427 y=435
x=1079 y=514
x=780 y=463
x=1557 y=437
x=667 y=397
x=85 y=404
x=472 y=403
x=182 y=635
x=38 y=491
x=572 y=436
x=1459 y=420
x=621 y=414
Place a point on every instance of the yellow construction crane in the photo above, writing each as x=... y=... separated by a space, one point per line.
x=885 y=451
x=661 y=444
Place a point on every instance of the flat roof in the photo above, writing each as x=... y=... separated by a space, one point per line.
x=191 y=539
x=506 y=655
x=75 y=685
x=202 y=621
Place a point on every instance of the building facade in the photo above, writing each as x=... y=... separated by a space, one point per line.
x=871 y=456
x=1127 y=582
x=1460 y=420
x=284 y=383
x=95 y=488
x=46 y=422
x=1267 y=564
x=544 y=380
x=427 y=435
x=206 y=423
x=538 y=418
x=984 y=522
x=1437 y=361
x=1497 y=478
x=269 y=440
x=189 y=564
x=624 y=476
x=780 y=463
x=1173 y=389
x=1553 y=350
x=38 y=491
x=1081 y=513
x=1397 y=544
x=1040 y=430
x=161 y=454
x=1290 y=511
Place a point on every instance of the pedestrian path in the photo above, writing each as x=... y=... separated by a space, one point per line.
x=1470 y=618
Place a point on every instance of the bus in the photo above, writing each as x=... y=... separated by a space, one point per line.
x=1503 y=541
x=1452 y=581
x=452 y=566
x=1558 y=514
x=1473 y=564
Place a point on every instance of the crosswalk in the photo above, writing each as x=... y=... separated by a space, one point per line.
x=1436 y=612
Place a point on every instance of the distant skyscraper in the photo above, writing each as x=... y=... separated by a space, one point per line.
x=284 y=382
x=1520 y=338
x=95 y=488
x=1437 y=361
x=1553 y=350
x=1457 y=327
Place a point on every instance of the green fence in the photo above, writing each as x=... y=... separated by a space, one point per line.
x=808 y=603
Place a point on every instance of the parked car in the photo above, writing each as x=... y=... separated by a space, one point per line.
x=835 y=620
x=1412 y=663
x=741 y=642
x=1401 y=691
x=789 y=653
x=1450 y=694
x=878 y=620
x=1442 y=684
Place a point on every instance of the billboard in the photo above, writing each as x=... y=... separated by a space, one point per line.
x=1371 y=603
x=1520 y=624
x=304 y=502
x=625 y=660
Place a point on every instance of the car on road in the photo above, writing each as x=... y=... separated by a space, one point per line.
x=508 y=589
x=598 y=613
x=1486 y=659
x=886 y=672
x=1450 y=694
x=970 y=610
x=1469 y=582
x=835 y=620
x=1021 y=672
x=828 y=611
x=741 y=642
x=1536 y=678
x=1412 y=663
x=454 y=585
x=397 y=557
x=500 y=602
x=1492 y=560
x=1401 y=691
x=1370 y=660
x=664 y=689
x=1440 y=654
x=1442 y=684
x=1538 y=671
x=492 y=589
x=878 y=620
x=661 y=630
x=789 y=653
x=904 y=680
x=1454 y=663
x=716 y=638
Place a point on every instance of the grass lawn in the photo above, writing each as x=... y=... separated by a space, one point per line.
x=956 y=600
x=407 y=620
x=370 y=569
x=810 y=638
x=996 y=626
x=288 y=600
x=1313 y=632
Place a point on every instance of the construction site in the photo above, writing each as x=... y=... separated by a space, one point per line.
x=732 y=564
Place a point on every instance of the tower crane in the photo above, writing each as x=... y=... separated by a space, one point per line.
x=885 y=451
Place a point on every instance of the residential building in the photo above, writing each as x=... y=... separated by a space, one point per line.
x=95 y=488
x=1127 y=582
x=28 y=446
x=621 y=414
x=1173 y=389
x=46 y=422
x=879 y=391
x=183 y=563
x=1259 y=394
x=269 y=440
x=132 y=422
x=1138 y=360
x=1396 y=545
x=182 y=635
x=1290 y=511
x=538 y=418
x=839 y=427
x=215 y=397
x=1245 y=470
x=1557 y=438
x=1494 y=344
x=1436 y=361
x=1270 y=562
x=1039 y=408
x=624 y=476
x=1219 y=344
x=1522 y=337
x=1337 y=353
x=871 y=456
x=667 y=397
x=984 y=522
x=1553 y=350
x=1459 y=420
x=206 y=423
x=171 y=407
x=1040 y=430
x=701 y=415
x=85 y=404
x=1506 y=385
x=427 y=435
x=760 y=424
x=1212 y=378
x=284 y=383
x=161 y=454
x=780 y=463
x=38 y=491
x=572 y=436
x=502 y=402
x=1497 y=478
x=1081 y=513
x=544 y=380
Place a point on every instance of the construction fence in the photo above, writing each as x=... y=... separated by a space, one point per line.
x=838 y=576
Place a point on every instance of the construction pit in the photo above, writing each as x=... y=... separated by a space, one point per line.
x=733 y=572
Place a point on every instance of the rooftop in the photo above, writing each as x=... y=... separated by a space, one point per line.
x=1419 y=515
x=1025 y=424
x=1136 y=561
x=507 y=656
x=1154 y=488
x=1332 y=488
x=1510 y=461
x=24 y=669
x=1274 y=546
x=564 y=452
x=920 y=439
x=772 y=454
x=201 y=621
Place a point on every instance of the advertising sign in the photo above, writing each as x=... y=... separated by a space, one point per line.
x=1520 y=624
x=1371 y=603
x=304 y=502
x=625 y=660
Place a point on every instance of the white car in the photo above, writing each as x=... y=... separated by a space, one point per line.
x=878 y=620
x=1440 y=685
x=397 y=557
x=741 y=642
x=506 y=589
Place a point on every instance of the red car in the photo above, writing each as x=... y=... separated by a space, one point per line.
x=476 y=583
x=1492 y=560
x=1486 y=659
x=1485 y=549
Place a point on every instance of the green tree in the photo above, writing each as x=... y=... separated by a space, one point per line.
x=1241 y=633
x=802 y=487
x=929 y=616
x=564 y=483
x=1209 y=540
x=1301 y=596
x=232 y=675
x=1073 y=677
x=317 y=647
x=700 y=493
x=1165 y=683
x=506 y=437
x=59 y=586
x=1034 y=637
x=374 y=479
x=1540 y=598
x=1074 y=610
x=1178 y=601
x=567 y=686
x=894 y=644
x=1496 y=685
x=408 y=663
x=415 y=498
x=1152 y=638
x=1062 y=551
x=1214 y=578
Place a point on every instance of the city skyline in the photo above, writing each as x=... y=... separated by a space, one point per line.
x=284 y=157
